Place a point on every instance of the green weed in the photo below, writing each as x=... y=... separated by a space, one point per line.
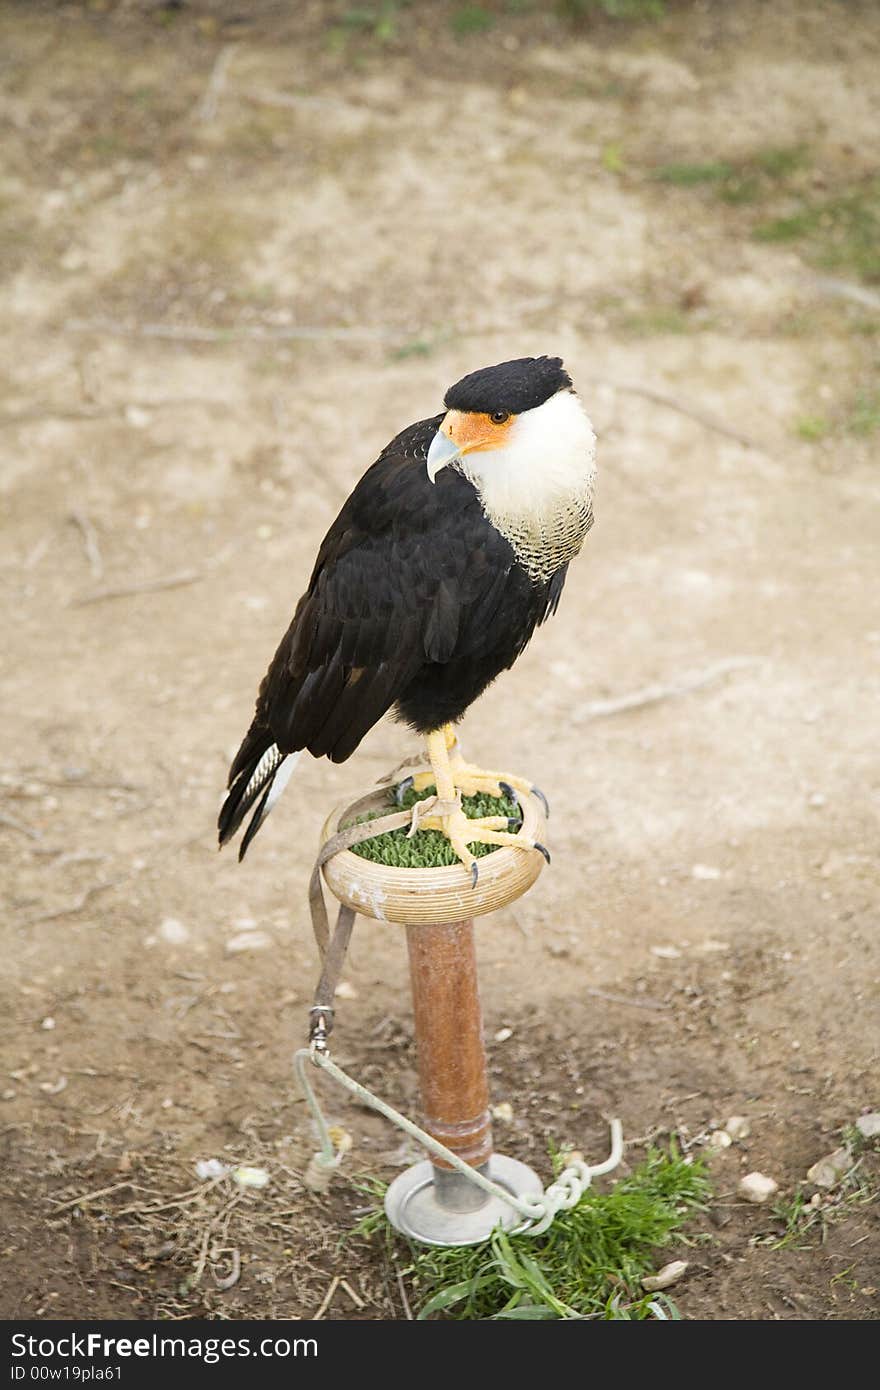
x=589 y=1264
x=840 y=233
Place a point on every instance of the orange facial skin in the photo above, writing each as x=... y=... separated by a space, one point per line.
x=471 y=431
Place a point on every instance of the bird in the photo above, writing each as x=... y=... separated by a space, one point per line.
x=449 y=552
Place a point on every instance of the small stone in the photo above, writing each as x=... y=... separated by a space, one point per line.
x=833 y=864
x=757 y=1187
x=738 y=1127
x=167 y=1103
x=248 y=941
x=10 y=1094
x=669 y=1274
x=705 y=872
x=503 y=1112
x=666 y=952
x=250 y=1177
x=719 y=1139
x=208 y=1168
x=817 y=800
x=48 y=1024
x=869 y=1125
x=344 y=990
x=54 y=1088
x=503 y=1034
x=173 y=931
x=137 y=417
x=830 y=1169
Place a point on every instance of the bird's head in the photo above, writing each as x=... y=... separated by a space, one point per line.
x=518 y=431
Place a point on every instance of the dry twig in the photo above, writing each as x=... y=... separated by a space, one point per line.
x=147 y=586
x=328 y=1297
x=90 y=542
x=701 y=417
x=623 y=999
x=198 y=333
x=19 y=825
x=207 y=107
x=653 y=694
x=72 y=908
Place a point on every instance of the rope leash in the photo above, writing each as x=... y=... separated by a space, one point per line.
x=537 y=1212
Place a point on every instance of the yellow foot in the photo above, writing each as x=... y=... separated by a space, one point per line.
x=462 y=832
x=476 y=781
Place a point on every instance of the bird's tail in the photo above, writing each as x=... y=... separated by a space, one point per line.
x=259 y=774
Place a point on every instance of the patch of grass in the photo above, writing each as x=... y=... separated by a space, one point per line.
x=589 y=1264
x=840 y=233
x=747 y=180
x=812 y=427
x=805 y=1218
x=650 y=321
x=864 y=419
x=690 y=175
x=612 y=159
x=613 y=9
x=429 y=849
x=471 y=19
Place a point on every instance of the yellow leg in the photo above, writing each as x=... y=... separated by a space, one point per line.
x=455 y=825
x=469 y=779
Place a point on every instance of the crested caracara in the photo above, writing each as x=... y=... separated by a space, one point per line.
x=449 y=552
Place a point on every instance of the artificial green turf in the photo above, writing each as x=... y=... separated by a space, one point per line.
x=428 y=849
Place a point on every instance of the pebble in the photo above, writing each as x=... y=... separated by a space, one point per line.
x=669 y=1274
x=207 y=1168
x=705 y=871
x=503 y=1034
x=666 y=952
x=503 y=1111
x=869 y=1125
x=248 y=941
x=48 y=1024
x=173 y=931
x=344 y=990
x=137 y=417
x=250 y=1177
x=54 y=1088
x=738 y=1127
x=757 y=1187
x=830 y=1169
x=720 y=1139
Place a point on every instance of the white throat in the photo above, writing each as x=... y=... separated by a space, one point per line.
x=538 y=489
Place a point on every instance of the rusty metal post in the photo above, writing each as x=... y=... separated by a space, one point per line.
x=451 y=1056
x=432 y=1201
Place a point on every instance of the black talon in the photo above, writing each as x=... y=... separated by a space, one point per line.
x=542 y=849
x=514 y=822
x=475 y=873
x=507 y=790
x=536 y=791
x=402 y=789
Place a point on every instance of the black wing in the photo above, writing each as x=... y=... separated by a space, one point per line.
x=392 y=577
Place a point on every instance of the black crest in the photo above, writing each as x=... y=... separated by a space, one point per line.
x=522 y=384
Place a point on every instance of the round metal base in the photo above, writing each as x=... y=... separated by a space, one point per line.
x=418 y=1207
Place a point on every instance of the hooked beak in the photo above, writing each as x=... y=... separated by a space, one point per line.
x=443 y=451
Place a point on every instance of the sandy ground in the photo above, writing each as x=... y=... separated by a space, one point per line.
x=240 y=254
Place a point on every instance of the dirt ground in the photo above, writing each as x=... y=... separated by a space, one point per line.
x=241 y=247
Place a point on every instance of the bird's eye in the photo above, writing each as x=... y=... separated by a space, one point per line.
x=500 y=417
